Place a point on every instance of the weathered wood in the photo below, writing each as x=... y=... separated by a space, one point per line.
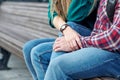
x=21 y=22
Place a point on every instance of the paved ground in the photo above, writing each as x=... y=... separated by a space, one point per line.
x=18 y=72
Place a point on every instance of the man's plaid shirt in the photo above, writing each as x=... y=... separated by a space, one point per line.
x=106 y=34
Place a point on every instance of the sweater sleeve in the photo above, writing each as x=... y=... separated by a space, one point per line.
x=51 y=16
x=79 y=9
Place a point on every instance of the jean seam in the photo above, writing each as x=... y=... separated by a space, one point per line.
x=40 y=60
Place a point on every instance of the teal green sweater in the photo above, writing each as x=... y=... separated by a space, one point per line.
x=78 y=10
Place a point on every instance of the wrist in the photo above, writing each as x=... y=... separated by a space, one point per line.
x=66 y=30
x=63 y=27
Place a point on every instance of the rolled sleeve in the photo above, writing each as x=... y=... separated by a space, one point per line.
x=51 y=16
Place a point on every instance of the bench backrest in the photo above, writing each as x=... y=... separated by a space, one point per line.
x=21 y=22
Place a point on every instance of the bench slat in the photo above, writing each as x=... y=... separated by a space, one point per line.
x=21 y=22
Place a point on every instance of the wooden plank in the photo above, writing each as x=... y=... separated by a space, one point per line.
x=22 y=33
x=35 y=13
x=21 y=22
x=27 y=13
x=38 y=29
x=30 y=4
x=24 y=7
x=24 y=18
x=11 y=47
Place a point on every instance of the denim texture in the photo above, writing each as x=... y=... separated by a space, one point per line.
x=83 y=63
x=33 y=54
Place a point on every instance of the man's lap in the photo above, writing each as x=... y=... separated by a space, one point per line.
x=86 y=61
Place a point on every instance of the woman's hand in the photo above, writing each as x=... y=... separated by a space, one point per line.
x=61 y=45
x=72 y=38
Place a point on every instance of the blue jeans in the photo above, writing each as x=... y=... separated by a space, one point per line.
x=84 y=63
x=37 y=53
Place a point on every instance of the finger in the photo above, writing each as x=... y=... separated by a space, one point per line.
x=54 y=44
x=59 y=38
x=78 y=42
x=54 y=47
x=57 y=45
x=75 y=46
x=58 y=49
x=71 y=45
x=58 y=41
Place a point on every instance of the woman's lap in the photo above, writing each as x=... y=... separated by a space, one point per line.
x=36 y=47
x=40 y=57
x=32 y=43
x=28 y=47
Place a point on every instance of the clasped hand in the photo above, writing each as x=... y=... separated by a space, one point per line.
x=69 y=42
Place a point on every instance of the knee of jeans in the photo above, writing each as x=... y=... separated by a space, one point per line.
x=26 y=49
x=34 y=54
x=37 y=52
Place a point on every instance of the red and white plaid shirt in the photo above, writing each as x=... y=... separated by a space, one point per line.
x=106 y=35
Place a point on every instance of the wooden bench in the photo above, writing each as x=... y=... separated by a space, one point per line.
x=21 y=22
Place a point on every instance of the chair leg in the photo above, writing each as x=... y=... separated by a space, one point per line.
x=4 y=60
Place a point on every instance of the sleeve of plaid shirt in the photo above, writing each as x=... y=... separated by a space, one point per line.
x=109 y=39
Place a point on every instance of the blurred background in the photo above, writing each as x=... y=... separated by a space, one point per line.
x=20 y=21
x=26 y=0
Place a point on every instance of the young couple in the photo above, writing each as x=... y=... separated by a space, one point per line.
x=84 y=49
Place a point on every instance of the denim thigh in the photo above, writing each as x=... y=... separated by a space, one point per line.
x=88 y=63
x=40 y=57
x=27 y=48
x=32 y=43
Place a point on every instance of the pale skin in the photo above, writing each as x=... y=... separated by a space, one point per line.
x=71 y=37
